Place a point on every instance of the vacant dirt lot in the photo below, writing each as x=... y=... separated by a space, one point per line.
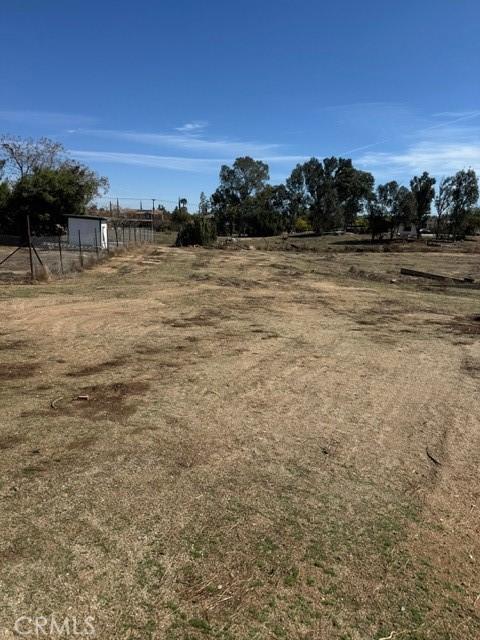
x=273 y=446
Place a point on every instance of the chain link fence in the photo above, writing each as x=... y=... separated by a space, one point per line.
x=33 y=258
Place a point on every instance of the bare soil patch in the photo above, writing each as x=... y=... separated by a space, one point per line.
x=110 y=401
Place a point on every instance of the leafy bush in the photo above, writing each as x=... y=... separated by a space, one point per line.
x=200 y=230
x=302 y=225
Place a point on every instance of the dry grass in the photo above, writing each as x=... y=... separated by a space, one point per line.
x=251 y=461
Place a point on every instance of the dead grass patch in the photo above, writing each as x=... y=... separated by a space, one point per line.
x=9 y=441
x=200 y=277
x=18 y=371
x=206 y=317
x=469 y=325
x=93 y=369
x=82 y=443
x=13 y=345
x=471 y=366
x=239 y=283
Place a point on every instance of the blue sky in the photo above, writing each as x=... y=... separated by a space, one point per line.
x=158 y=94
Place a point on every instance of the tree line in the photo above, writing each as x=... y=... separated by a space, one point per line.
x=333 y=194
x=38 y=179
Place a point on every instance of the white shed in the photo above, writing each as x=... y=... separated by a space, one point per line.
x=91 y=231
x=407 y=230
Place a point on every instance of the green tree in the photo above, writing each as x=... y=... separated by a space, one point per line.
x=354 y=190
x=397 y=204
x=48 y=195
x=5 y=193
x=443 y=201
x=472 y=223
x=180 y=215
x=423 y=188
x=404 y=209
x=463 y=197
x=337 y=191
x=203 y=204
x=298 y=197
x=324 y=209
x=266 y=213
x=378 y=218
x=244 y=179
x=386 y=201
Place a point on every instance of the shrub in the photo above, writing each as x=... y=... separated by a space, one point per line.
x=302 y=225
x=200 y=230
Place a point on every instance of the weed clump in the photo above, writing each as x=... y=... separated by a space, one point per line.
x=201 y=231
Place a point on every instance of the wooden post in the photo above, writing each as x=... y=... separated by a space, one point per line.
x=29 y=237
x=80 y=248
x=123 y=234
x=96 y=242
x=153 y=217
x=135 y=235
x=60 y=252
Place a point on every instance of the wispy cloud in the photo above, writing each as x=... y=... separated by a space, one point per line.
x=192 y=127
x=174 y=163
x=45 y=118
x=456 y=114
x=437 y=159
x=457 y=117
x=194 y=144
x=418 y=145
x=440 y=150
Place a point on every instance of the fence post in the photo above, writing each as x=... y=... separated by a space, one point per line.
x=123 y=235
x=80 y=248
x=29 y=237
x=96 y=242
x=60 y=252
x=135 y=235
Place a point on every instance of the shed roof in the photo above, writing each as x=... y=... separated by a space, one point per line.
x=89 y=217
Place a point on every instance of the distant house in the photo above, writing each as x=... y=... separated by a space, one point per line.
x=90 y=231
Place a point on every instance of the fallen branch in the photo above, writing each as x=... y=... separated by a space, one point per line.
x=53 y=403
x=432 y=276
x=432 y=458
